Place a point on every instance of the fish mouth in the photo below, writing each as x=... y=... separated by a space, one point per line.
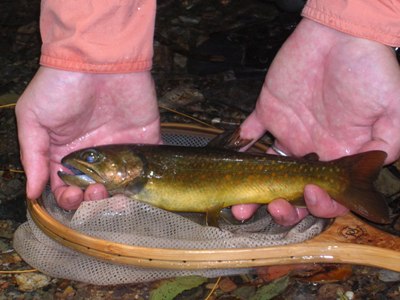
x=79 y=174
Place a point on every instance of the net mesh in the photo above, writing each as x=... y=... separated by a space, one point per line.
x=123 y=220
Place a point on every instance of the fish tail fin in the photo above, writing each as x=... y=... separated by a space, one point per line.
x=360 y=196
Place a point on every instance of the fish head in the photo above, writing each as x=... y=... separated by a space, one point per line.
x=117 y=167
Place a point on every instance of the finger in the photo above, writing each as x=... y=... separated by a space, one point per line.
x=34 y=151
x=94 y=192
x=284 y=213
x=320 y=204
x=244 y=212
x=68 y=197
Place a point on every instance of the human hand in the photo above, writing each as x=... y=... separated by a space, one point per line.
x=62 y=111
x=330 y=93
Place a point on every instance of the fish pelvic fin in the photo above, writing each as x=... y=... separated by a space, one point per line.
x=360 y=196
x=299 y=202
x=212 y=215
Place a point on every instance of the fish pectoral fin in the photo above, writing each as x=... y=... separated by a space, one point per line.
x=299 y=202
x=212 y=215
x=311 y=157
x=135 y=187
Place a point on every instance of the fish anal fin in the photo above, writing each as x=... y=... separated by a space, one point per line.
x=212 y=215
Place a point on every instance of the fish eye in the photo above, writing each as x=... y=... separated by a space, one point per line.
x=90 y=156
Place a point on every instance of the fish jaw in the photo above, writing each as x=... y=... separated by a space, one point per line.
x=82 y=174
x=82 y=180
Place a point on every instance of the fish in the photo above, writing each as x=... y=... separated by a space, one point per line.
x=208 y=179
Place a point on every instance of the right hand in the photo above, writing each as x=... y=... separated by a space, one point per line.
x=62 y=111
x=330 y=93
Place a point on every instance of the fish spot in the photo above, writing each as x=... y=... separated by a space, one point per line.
x=251 y=178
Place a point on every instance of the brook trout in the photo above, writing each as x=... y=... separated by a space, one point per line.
x=191 y=179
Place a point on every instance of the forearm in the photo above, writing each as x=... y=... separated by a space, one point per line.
x=98 y=36
x=377 y=20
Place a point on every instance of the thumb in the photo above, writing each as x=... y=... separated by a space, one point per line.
x=391 y=148
x=252 y=128
x=385 y=135
x=34 y=151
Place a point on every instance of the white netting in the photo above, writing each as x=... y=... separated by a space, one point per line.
x=122 y=220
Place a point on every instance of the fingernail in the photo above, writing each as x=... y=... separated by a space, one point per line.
x=91 y=196
x=73 y=201
x=96 y=195
x=311 y=198
x=278 y=216
x=279 y=219
x=243 y=212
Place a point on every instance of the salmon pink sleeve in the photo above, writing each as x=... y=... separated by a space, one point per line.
x=377 y=20
x=98 y=36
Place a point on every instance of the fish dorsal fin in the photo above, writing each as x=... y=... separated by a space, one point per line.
x=229 y=139
x=311 y=157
